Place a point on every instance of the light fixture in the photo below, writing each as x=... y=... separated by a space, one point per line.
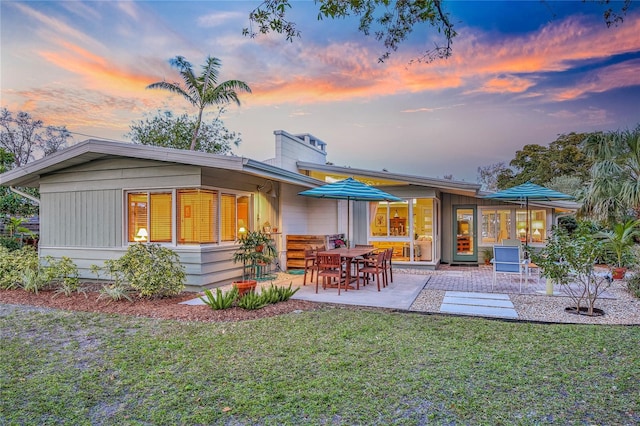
x=242 y=228
x=271 y=191
x=142 y=235
x=537 y=225
x=396 y=214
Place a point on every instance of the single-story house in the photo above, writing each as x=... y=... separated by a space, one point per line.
x=98 y=197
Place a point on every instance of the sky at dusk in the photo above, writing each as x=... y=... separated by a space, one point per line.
x=521 y=73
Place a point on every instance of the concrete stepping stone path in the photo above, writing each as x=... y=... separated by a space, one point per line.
x=478 y=304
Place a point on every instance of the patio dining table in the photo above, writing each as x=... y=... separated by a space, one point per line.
x=348 y=254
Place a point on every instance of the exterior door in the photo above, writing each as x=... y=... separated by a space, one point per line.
x=465 y=243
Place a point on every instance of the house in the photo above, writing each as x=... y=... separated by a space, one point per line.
x=98 y=197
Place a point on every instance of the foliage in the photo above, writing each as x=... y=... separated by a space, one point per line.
x=167 y=130
x=567 y=184
x=14 y=264
x=221 y=300
x=488 y=176
x=620 y=239
x=115 y=292
x=391 y=22
x=255 y=247
x=63 y=275
x=203 y=90
x=26 y=138
x=570 y=261
x=13 y=225
x=633 y=284
x=251 y=301
x=10 y=243
x=274 y=294
x=613 y=192
x=317 y=367
x=23 y=268
x=149 y=269
x=17 y=205
x=540 y=164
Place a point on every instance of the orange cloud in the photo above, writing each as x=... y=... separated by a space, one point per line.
x=608 y=78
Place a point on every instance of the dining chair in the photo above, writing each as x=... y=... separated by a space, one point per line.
x=388 y=266
x=329 y=267
x=374 y=267
x=310 y=264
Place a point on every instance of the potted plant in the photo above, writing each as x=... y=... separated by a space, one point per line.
x=619 y=242
x=487 y=255
x=256 y=248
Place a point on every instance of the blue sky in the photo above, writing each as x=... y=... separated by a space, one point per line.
x=521 y=72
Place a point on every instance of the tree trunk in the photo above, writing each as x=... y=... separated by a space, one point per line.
x=195 y=131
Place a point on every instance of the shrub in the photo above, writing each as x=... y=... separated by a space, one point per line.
x=10 y=243
x=633 y=284
x=14 y=264
x=220 y=300
x=114 y=292
x=251 y=301
x=34 y=280
x=149 y=269
x=274 y=294
x=62 y=275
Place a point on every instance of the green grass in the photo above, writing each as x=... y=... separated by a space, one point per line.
x=333 y=366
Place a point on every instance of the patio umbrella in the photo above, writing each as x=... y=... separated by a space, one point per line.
x=524 y=193
x=351 y=190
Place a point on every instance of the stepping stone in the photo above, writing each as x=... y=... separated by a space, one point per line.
x=478 y=304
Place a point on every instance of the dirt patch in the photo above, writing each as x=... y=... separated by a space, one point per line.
x=168 y=308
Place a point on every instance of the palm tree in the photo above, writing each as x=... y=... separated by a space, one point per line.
x=203 y=90
x=614 y=189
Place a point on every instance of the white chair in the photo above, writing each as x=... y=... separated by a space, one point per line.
x=506 y=260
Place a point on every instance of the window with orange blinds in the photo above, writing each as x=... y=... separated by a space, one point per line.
x=197 y=216
x=228 y=217
x=243 y=214
x=160 y=217
x=149 y=216
x=137 y=214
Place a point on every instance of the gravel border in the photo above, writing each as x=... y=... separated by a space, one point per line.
x=623 y=309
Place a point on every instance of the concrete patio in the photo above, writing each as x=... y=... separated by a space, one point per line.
x=460 y=291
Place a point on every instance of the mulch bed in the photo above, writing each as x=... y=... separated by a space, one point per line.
x=168 y=308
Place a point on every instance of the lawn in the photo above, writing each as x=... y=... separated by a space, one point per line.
x=332 y=366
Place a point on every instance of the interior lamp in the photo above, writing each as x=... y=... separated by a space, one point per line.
x=142 y=235
x=537 y=226
x=242 y=229
x=396 y=214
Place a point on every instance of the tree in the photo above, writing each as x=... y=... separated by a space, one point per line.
x=488 y=175
x=394 y=20
x=26 y=138
x=540 y=164
x=167 y=130
x=613 y=192
x=203 y=90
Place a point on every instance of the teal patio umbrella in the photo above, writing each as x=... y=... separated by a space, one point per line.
x=351 y=190
x=528 y=191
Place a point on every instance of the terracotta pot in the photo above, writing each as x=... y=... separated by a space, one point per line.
x=618 y=273
x=245 y=286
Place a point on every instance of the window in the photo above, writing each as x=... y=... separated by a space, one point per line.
x=496 y=226
x=149 y=217
x=197 y=216
x=186 y=216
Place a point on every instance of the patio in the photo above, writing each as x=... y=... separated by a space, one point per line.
x=433 y=291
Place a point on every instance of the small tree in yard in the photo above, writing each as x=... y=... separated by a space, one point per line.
x=570 y=261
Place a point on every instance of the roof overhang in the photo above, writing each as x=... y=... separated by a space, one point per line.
x=93 y=149
x=444 y=185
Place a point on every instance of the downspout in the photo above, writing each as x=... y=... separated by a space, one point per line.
x=25 y=195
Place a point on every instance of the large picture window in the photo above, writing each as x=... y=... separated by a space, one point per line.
x=186 y=216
